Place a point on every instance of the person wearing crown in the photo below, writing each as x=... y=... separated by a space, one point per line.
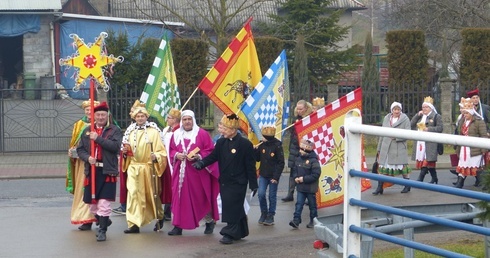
x=392 y=152
x=80 y=212
x=425 y=153
x=480 y=108
x=235 y=157
x=302 y=110
x=470 y=159
x=271 y=157
x=123 y=191
x=106 y=138
x=173 y=123
x=144 y=160
x=194 y=193
x=317 y=103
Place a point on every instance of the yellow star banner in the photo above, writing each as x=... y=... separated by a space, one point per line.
x=326 y=130
x=90 y=60
x=234 y=76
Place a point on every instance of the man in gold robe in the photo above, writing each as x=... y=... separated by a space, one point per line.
x=144 y=161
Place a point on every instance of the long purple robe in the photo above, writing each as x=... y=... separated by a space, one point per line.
x=197 y=193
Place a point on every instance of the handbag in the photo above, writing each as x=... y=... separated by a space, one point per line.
x=454 y=159
x=375 y=165
x=440 y=148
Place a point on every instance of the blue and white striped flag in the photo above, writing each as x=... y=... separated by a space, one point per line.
x=268 y=104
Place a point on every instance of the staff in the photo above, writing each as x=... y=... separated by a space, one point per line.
x=155 y=184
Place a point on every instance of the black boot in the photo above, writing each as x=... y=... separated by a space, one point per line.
x=176 y=231
x=423 y=172
x=433 y=174
x=407 y=188
x=292 y=185
x=478 y=178
x=158 y=225
x=85 y=226
x=460 y=182
x=132 y=230
x=379 y=189
x=103 y=222
x=209 y=228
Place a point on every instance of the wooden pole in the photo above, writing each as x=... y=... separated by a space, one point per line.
x=92 y=142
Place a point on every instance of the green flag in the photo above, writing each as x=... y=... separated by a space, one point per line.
x=161 y=92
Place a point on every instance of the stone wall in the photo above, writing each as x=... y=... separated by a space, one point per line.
x=37 y=51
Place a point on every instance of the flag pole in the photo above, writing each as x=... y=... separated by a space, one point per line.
x=92 y=142
x=194 y=92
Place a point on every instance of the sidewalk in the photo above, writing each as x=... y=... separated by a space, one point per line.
x=53 y=165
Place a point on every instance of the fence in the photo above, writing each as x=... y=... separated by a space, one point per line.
x=352 y=200
x=352 y=195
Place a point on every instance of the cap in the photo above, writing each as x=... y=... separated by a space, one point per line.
x=102 y=107
x=472 y=93
x=306 y=144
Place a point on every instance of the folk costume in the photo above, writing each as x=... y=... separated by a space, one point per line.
x=194 y=193
x=75 y=177
x=106 y=147
x=425 y=153
x=235 y=157
x=470 y=159
x=393 y=157
x=142 y=183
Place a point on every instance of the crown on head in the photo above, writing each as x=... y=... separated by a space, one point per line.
x=175 y=113
x=268 y=131
x=466 y=103
x=86 y=103
x=429 y=99
x=318 y=102
x=230 y=121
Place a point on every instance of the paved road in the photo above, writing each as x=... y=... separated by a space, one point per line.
x=35 y=220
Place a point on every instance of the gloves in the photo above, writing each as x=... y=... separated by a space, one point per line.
x=198 y=165
x=254 y=192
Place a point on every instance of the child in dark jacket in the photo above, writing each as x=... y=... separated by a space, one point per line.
x=271 y=156
x=306 y=177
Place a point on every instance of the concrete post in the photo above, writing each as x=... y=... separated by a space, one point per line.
x=447 y=102
x=333 y=91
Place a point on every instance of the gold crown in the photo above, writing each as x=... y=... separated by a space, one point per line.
x=175 y=113
x=137 y=104
x=428 y=99
x=466 y=104
x=139 y=110
x=230 y=121
x=318 y=102
x=268 y=131
x=86 y=103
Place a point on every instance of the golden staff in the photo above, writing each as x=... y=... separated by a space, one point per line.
x=156 y=190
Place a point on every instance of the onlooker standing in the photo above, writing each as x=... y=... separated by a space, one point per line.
x=302 y=110
x=107 y=140
x=480 y=108
x=271 y=157
x=75 y=177
x=306 y=176
x=470 y=159
x=235 y=157
x=425 y=153
x=392 y=152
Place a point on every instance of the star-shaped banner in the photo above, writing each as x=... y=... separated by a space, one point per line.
x=90 y=60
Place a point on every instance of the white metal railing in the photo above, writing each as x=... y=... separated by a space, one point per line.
x=352 y=190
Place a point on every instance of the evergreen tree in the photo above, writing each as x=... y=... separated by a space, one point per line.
x=371 y=102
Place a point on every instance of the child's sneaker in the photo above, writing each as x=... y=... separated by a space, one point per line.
x=269 y=220
x=262 y=217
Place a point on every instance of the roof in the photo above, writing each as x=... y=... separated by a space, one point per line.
x=29 y=5
x=117 y=19
x=260 y=12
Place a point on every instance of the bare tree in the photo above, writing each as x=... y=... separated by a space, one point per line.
x=213 y=20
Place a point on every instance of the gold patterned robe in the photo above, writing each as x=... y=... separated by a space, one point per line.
x=75 y=177
x=143 y=202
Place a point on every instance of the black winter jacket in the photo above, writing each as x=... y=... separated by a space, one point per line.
x=271 y=157
x=308 y=167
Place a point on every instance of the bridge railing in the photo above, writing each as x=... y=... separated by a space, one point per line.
x=352 y=226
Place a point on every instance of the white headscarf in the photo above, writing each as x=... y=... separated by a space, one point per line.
x=181 y=134
x=431 y=106
x=395 y=104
